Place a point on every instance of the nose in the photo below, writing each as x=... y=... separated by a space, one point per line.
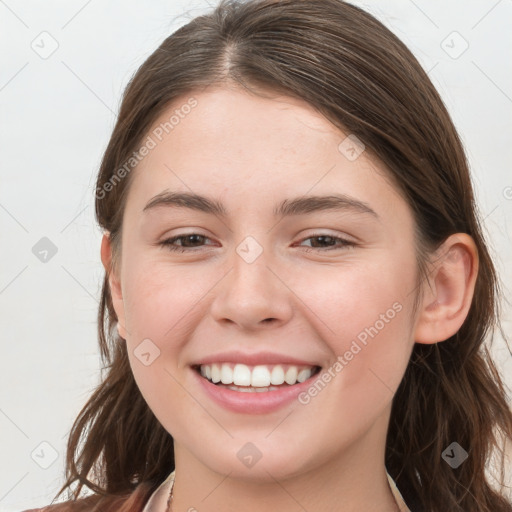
x=253 y=295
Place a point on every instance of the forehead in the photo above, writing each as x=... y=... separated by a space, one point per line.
x=252 y=147
x=240 y=122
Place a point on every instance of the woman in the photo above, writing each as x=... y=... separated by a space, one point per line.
x=297 y=289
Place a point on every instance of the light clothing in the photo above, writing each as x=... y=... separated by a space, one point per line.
x=396 y=493
x=158 y=500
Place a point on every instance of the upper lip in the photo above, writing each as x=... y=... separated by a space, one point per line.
x=253 y=359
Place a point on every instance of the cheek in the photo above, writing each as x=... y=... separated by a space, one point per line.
x=364 y=315
x=161 y=300
x=369 y=335
x=161 y=305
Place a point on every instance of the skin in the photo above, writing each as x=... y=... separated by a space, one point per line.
x=250 y=153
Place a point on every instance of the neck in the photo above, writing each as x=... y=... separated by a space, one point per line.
x=350 y=481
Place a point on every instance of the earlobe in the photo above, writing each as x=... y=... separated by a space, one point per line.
x=449 y=291
x=114 y=283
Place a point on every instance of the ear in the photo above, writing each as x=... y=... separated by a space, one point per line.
x=114 y=283
x=449 y=291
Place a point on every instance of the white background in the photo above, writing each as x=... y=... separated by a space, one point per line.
x=57 y=115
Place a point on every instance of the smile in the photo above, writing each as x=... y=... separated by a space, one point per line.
x=258 y=378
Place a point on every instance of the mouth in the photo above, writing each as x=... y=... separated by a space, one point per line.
x=255 y=379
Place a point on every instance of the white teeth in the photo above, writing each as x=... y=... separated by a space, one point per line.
x=290 y=376
x=226 y=374
x=277 y=375
x=262 y=377
x=215 y=373
x=301 y=377
x=250 y=389
x=241 y=375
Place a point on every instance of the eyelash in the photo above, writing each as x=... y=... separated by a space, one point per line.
x=170 y=241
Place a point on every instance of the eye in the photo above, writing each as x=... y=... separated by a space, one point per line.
x=328 y=243
x=190 y=241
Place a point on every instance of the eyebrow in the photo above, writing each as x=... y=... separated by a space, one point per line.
x=288 y=207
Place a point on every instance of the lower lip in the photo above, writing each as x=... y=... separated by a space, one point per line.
x=253 y=402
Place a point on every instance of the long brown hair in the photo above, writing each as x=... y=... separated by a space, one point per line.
x=360 y=76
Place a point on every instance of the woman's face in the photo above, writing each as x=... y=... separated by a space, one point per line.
x=277 y=280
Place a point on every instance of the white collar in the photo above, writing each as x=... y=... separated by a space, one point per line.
x=158 y=500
